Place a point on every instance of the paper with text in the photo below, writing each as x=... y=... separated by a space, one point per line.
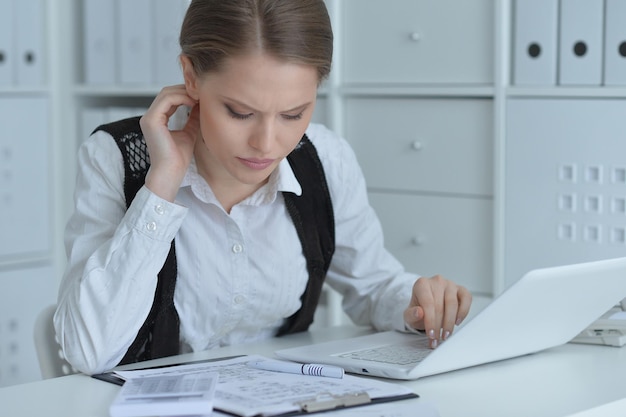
x=246 y=391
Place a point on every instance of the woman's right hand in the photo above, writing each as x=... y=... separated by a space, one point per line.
x=170 y=151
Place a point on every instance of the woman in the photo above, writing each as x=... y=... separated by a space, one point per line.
x=243 y=211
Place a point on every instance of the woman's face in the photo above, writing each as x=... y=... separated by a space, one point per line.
x=252 y=114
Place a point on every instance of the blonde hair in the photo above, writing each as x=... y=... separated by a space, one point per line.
x=293 y=30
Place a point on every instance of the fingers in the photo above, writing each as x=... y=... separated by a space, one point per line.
x=465 y=298
x=437 y=305
x=449 y=314
x=164 y=106
x=193 y=120
x=170 y=151
x=433 y=304
x=414 y=317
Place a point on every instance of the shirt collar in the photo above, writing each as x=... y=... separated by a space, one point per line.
x=282 y=179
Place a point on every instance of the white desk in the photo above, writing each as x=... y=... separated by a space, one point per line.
x=554 y=383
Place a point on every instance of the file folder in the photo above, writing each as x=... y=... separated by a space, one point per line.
x=580 y=49
x=100 y=31
x=168 y=17
x=535 y=42
x=6 y=43
x=135 y=41
x=615 y=43
x=29 y=38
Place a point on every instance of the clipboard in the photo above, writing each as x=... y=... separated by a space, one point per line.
x=113 y=378
x=244 y=391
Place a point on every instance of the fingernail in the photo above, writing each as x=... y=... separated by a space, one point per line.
x=446 y=335
x=433 y=343
x=458 y=322
x=431 y=333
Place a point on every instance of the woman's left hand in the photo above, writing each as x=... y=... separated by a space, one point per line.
x=437 y=305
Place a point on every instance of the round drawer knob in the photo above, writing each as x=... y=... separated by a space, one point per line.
x=418 y=240
x=415 y=36
x=417 y=145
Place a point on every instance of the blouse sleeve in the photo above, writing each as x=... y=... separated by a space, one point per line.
x=375 y=287
x=114 y=255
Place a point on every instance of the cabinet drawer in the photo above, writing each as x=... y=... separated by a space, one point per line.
x=431 y=145
x=439 y=235
x=564 y=182
x=418 y=41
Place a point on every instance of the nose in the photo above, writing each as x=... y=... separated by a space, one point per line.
x=263 y=136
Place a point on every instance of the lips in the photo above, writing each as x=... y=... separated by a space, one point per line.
x=255 y=163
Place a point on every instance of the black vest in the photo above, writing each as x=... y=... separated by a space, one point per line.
x=311 y=213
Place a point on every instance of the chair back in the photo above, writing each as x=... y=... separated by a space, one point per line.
x=49 y=353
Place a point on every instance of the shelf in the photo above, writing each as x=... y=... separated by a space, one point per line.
x=8 y=263
x=35 y=91
x=476 y=91
x=567 y=92
x=116 y=91
x=113 y=91
x=424 y=193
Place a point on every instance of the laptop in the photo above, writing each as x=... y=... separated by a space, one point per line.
x=545 y=308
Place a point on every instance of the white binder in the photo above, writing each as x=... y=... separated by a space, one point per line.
x=7 y=52
x=24 y=188
x=135 y=41
x=100 y=31
x=168 y=16
x=29 y=38
x=535 y=42
x=580 y=49
x=615 y=43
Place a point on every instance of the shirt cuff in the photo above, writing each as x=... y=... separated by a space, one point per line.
x=155 y=217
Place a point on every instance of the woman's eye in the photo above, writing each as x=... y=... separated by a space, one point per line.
x=236 y=115
x=292 y=116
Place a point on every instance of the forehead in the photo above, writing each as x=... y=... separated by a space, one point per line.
x=261 y=80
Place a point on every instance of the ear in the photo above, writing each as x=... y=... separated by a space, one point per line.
x=191 y=79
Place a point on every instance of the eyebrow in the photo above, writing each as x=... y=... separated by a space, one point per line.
x=240 y=103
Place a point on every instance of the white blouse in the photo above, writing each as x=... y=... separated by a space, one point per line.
x=239 y=274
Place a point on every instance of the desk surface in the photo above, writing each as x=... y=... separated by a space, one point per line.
x=554 y=383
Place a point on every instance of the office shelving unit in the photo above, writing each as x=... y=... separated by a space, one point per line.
x=422 y=90
x=30 y=116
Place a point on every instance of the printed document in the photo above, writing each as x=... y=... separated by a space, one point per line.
x=246 y=391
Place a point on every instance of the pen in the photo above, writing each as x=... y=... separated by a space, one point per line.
x=298 y=368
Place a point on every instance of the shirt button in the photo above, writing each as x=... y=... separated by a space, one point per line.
x=240 y=299
x=159 y=209
x=151 y=226
x=237 y=248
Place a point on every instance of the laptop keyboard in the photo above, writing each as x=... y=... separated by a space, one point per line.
x=400 y=354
